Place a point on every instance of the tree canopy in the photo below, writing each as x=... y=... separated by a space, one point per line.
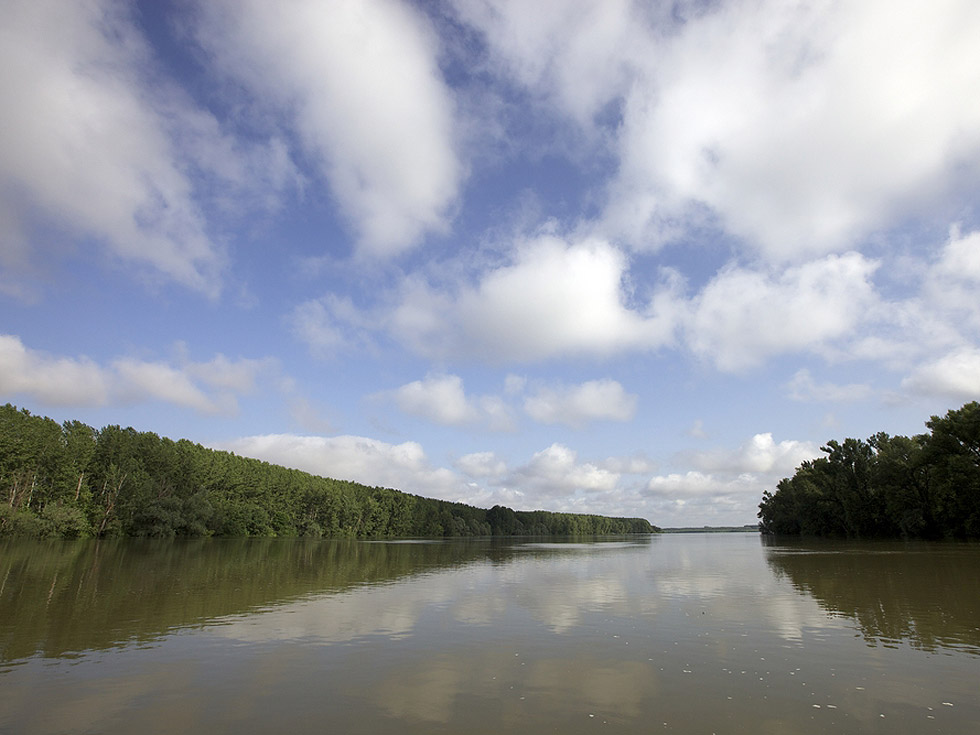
x=70 y=480
x=925 y=486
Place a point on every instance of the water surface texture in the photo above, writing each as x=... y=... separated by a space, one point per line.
x=700 y=633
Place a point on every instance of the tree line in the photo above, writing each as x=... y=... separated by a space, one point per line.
x=926 y=486
x=72 y=481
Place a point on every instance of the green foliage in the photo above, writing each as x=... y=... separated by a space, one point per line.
x=926 y=486
x=73 y=481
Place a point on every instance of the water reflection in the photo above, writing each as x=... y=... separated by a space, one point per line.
x=63 y=597
x=683 y=634
x=925 y=594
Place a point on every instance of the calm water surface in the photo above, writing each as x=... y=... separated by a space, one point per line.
x=702 y=633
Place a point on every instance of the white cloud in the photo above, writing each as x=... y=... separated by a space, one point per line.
x=953 y=281
x=482 y=465
x=442 y=398
x=762 y=454
x=742 y=317
x=359 y=82
x=439 y=398
x=955 y=376
x=557 y=471
x=759 y=455
x=633 y=465
x=101 y=147
x=555 y=298
x=85 y=146
x=88 y=151
x=695 y=483
x=724 y=485
x=237 y=376
x=798 y=126
x=576 y=405
x=574 y=52
x=56 y=381
x=567 y=299
x=209 y=387
x=903 y=333
x=141 y=380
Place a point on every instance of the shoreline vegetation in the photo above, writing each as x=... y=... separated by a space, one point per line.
x=72 y=481
x=921 y=487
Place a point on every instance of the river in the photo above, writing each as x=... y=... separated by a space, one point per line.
x=686 y=633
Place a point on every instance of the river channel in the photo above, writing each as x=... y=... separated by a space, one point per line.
x=676 y=633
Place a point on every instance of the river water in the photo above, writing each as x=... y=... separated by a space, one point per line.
x=686 y=633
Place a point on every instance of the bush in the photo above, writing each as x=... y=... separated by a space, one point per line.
x=66 y=521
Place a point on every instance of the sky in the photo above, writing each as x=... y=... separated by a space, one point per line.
x=600 y=256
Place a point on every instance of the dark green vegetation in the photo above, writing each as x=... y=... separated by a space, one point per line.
x=926 y=486
x=72 y=481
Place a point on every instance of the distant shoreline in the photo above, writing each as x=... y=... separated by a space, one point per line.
x=750 y=528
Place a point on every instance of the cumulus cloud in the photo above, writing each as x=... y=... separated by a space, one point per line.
x=742 y=317
x=696 y=483
x=955 y=376
x=101 y=148
x=211 y=387
x=83 y=145
x=953 y=280
x=359 y=84
x=567 y=298
x=56 y=381
x=577 y=54
x=555 y=298
x=725 y=484
x=576 y=405
x=439 y=398
x=481 y=465
x=557 y=469
x=555 y=478
x=139 y=380
x=442 y=398
x=799 y=127
x=761 y=454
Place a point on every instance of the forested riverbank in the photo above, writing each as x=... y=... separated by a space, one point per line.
x=73 y=481
x=925 y=486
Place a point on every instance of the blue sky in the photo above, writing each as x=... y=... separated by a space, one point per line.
x=627 y=258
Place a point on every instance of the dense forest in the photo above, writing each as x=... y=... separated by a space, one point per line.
x=72 y=481
x=925 y=486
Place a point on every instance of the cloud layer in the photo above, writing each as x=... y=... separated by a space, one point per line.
x=207 y=388
x=359 y=86
x=799 y=127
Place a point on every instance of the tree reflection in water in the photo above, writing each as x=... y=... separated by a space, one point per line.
x=927 y=595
